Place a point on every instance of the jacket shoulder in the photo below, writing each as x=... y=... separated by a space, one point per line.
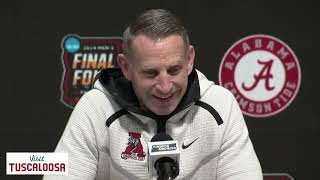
x=218 y=101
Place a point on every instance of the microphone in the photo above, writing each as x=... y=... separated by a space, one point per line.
x=164 y=157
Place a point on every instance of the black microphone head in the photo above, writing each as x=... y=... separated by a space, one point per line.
x=161 y=137
x=166 y=168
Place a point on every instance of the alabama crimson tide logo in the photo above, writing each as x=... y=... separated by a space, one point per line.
x=134 y=149
x=263 y=73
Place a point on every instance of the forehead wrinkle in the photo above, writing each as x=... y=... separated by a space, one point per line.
x=144 y=44
x=155 y=65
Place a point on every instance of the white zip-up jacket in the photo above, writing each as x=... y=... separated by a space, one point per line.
x=107 y=134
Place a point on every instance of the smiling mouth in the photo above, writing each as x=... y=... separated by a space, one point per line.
x=163 y=98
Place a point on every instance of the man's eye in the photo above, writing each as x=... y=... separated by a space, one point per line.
x=174 y=71
x=150 y=74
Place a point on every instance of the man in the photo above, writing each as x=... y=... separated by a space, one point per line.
x=157 y=90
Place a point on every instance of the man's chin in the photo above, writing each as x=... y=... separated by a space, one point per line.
x=163 y=112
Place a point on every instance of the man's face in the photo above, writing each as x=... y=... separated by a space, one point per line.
x=158 y=71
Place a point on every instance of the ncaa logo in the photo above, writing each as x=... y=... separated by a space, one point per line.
x=263 y=73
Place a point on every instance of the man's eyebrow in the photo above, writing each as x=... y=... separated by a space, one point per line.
x=148 y=69
x=175 y=66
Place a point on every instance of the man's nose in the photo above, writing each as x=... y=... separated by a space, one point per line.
x=164 y=85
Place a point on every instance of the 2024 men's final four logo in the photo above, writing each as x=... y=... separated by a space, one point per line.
x=263 y=73
x=82 y=58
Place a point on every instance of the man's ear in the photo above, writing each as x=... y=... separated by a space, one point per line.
x=123 y=63
x=191 y=56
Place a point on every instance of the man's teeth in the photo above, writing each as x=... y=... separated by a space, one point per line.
x=163 y=97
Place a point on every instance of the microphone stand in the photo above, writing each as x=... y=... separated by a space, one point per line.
x=166 y=168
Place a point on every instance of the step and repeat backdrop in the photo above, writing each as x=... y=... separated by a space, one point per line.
x=265 y=52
